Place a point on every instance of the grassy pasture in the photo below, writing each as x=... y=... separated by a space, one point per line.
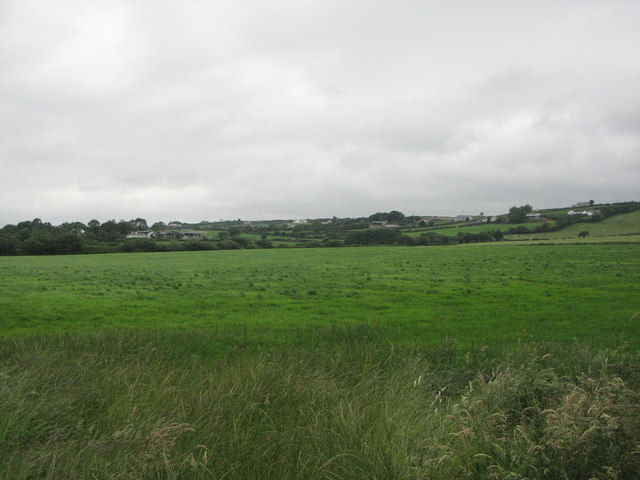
x=354 y=363
x=529 y=240
x=618 y=226
x=452 y=231
x=473 y=294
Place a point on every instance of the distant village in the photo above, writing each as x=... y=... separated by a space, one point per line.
x=36 y=237
x=177 y=230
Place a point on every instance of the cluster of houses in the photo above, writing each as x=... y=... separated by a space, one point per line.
x=582 y=212
x=190 y=234
x=304 y=221
x=182 y=235
x=382 y=224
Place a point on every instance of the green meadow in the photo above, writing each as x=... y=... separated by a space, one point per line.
x=453 y=230
x=618 y=227
x=473 y=294
x=480 y=361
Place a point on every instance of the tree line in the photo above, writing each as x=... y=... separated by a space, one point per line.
x=36 y=237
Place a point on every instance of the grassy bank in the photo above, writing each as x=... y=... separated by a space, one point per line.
x=163 y=404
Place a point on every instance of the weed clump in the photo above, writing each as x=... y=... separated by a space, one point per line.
x=531 y=418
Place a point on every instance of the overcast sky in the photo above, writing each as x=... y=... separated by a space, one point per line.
x=193 y=110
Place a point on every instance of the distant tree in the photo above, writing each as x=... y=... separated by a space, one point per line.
x=156 y=227
x=378 y=217
x=519 y=214
x=264 y=243
x=39 y=244
x=591 y=202
x=8 y=245
x=395 y=216
x=227 y=244
x=125 y=228
x=46 y=243
x=94 y=226
x=197 y=245
x=68 y=243
x=431 y=238
x=382 y=236
x=138 y=245
x=77 y=227
x=406 y=240
x=138 y=224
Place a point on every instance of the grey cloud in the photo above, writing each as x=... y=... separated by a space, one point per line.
x=265 y=109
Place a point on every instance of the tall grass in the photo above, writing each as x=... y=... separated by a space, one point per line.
x=167 y=405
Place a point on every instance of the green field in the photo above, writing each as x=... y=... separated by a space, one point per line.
x=481 y=361
x=619 y=226
x=452 y=231
x=483 y=293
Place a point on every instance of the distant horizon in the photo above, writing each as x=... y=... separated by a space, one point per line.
x=152 y=220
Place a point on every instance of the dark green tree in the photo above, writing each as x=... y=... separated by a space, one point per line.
x=378 y=217
x=8 y=245
x=519 y=214
x=394 y=216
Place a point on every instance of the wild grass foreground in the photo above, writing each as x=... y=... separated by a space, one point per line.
x=164 y=405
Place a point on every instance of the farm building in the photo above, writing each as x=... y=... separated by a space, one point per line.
x=581 y=212
x=188 y=235
x=382 y=224
x=141 y=234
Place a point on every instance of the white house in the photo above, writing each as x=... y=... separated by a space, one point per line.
x=188 y=235
x=583 y=212
x=142 y=234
